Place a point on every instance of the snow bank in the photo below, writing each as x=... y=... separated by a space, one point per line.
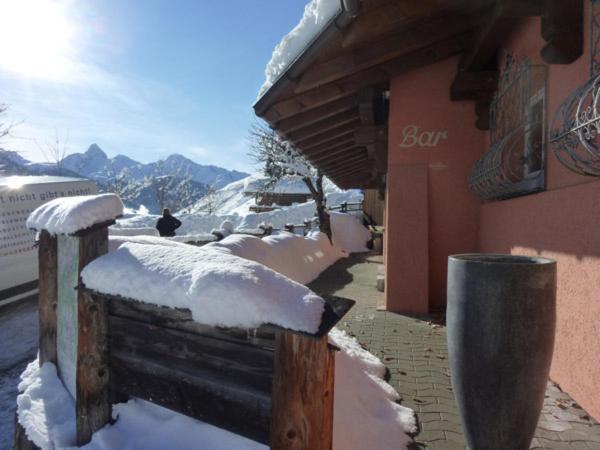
x=144 y=425
x=365 y=413
x=348 y=233
x=114 y=242
x=45 y=408
x=300 y=258
x=71 y=214
x=144 y=231
x=219 y=289
x=316 y=15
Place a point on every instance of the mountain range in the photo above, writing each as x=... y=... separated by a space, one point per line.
x=174 y=182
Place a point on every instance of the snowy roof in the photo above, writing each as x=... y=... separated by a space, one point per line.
x=317 y=14
x=68 y=215
x=287 y=185
x=219 y=289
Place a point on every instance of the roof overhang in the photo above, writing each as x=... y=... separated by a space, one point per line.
x=332 y=101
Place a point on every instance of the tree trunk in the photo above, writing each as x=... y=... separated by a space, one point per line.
x=319 y=198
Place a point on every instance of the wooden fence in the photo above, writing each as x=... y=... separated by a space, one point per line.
x=270 y=384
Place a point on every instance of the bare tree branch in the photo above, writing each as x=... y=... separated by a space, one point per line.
x=55 y=151
x=280 y=159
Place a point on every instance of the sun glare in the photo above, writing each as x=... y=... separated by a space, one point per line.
x=36 y=38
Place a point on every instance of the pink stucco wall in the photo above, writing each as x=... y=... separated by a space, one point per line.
x=446 y=210
x=561 y=223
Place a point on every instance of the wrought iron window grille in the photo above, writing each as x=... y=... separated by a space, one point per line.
x=576 y=123
x=514 y=163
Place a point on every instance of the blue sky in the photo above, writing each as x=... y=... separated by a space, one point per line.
x=145 y=78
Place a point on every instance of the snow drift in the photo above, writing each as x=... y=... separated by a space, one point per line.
x=299 y=258
x=219 y=289
x=70 y=214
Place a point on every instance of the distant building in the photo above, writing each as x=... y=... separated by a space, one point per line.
x=285 y=192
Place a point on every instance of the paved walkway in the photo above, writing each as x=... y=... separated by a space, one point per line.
x=415 y=353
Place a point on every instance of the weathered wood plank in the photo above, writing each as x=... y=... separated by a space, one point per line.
x=302 y=416
x=242 y=411
x=93 y=397
x=48 y=297
x=180 y=319
x=93 y=403
x=232 y=362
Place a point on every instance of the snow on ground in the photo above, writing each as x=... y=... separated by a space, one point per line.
x=316 y=14
x=70 y=214
x=218 y=288
x=144 y=231
x=299 y=258
x=236 y=211
x=365 y=413
x=19 y=342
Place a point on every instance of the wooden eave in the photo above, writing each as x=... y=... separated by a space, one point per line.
x=331 y=103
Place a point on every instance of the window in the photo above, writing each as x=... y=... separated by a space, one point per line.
x=514 y=163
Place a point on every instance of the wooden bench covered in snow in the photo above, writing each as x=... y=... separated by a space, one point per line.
x=271 y=384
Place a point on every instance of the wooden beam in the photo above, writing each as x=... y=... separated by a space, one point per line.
x=358 y=162
x=47 y=297
x=316 y=114
x=328 y=149
x=327 y=136
x=348 y=136
x=337 y=153
x=302 y=396
x=322 y=126
x=93 y=403
x=412 y=36
x=358 y=165
x=372 y=76
x=343 y=155
x=562 y=29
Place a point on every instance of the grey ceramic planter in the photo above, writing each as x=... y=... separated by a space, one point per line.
x=501 y=318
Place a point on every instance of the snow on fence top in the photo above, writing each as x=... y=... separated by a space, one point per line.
x=218 y=288
x=71 y=214
x=300 y=258
x=316 y=14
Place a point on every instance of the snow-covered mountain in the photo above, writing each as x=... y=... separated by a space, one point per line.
x=177 y=182
x=95 y=164
x=237 y=197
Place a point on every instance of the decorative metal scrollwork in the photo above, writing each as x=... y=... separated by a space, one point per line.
x=575 y=128
x=576 y=123
x=514 y=164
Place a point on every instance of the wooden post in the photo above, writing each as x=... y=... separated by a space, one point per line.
x=47 y=297
x=93 y=405
x=302 y=399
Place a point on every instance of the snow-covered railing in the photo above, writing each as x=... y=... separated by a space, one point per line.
x=271 y=383
x=347 y=207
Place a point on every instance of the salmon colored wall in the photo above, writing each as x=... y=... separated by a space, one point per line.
x=421 y=98
x=561 y=223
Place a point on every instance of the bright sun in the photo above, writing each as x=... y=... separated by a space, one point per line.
x=36 y=38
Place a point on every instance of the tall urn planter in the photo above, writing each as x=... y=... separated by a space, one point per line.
x=501 y=317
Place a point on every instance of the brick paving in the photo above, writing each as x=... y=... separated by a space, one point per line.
x=415 y=352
